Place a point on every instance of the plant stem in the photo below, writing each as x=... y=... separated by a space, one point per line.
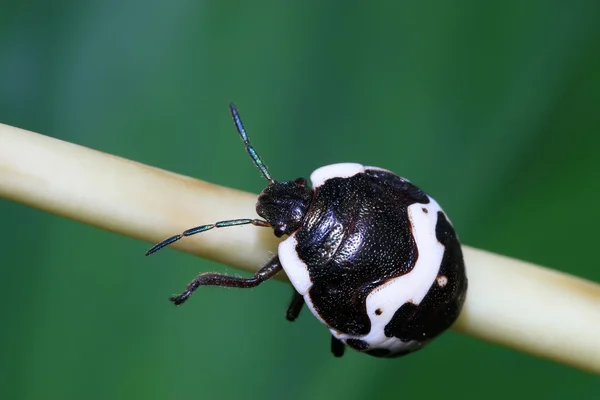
x=510 y=302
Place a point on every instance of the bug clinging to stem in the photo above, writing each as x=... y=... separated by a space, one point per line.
x=374 y=257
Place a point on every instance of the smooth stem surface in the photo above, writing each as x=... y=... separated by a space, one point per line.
x=510 y=302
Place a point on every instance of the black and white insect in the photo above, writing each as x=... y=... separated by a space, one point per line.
x=373 y=257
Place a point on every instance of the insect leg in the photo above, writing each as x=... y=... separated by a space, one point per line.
x=295 y=306
x=337 y=346
x=212 y=279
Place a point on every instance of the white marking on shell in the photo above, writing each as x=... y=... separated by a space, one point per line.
x=297 y=271
x=412 y=286
x=342 y=170
x=442 y=281
x=293 y=266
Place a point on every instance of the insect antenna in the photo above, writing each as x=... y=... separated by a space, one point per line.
x=204 y=228
x=253 y=154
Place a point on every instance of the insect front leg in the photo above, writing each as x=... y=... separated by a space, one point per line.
x=212 y=279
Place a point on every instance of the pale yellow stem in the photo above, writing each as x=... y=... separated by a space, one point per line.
x=510 y=302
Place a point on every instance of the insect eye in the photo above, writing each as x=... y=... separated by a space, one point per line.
x=279 y=230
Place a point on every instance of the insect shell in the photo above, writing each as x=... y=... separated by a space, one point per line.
x=373 y=257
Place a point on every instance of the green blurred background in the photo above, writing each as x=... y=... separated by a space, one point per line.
x=493 y=108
